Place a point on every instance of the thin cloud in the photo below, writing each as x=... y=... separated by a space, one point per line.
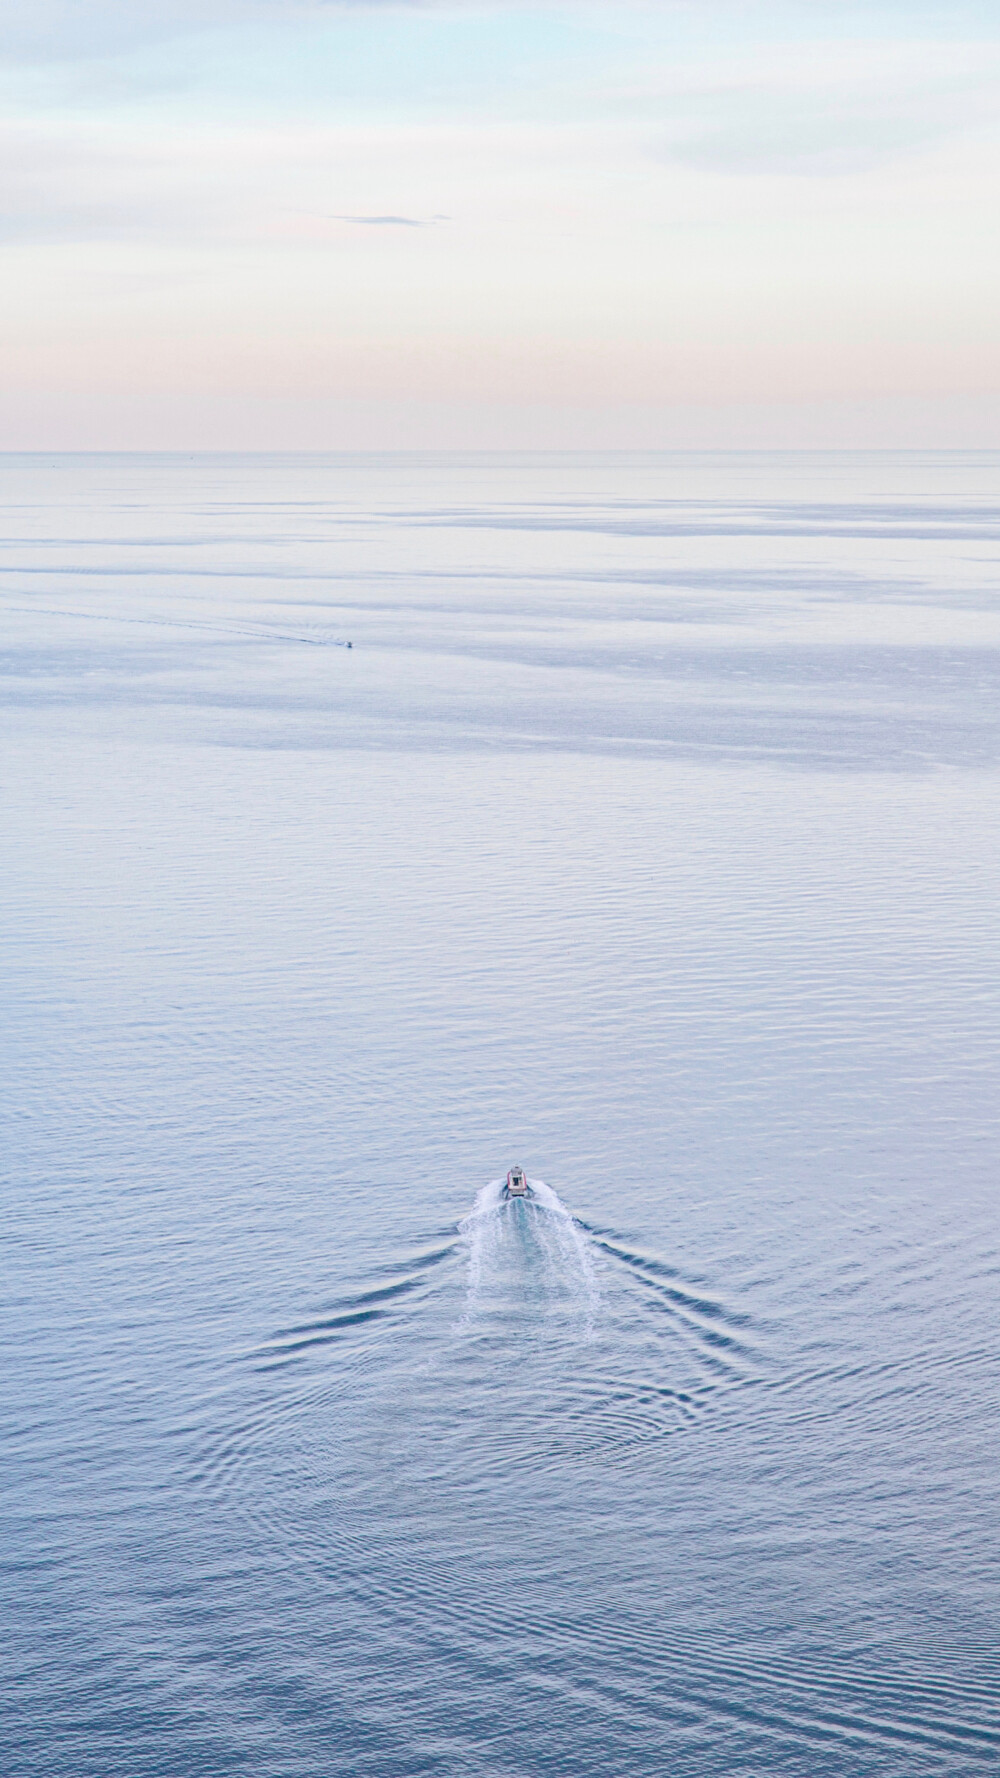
x=811 y=130
x=390 y=221
x=53 y=31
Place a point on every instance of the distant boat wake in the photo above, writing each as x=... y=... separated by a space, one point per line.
x=527 y=1254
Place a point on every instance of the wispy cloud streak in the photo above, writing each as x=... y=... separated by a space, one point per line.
x=390 y=221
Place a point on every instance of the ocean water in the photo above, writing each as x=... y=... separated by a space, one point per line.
x=646 y=834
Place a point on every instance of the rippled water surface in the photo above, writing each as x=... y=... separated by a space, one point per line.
x=646 y=834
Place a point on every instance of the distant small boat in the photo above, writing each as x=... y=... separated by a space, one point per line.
x=517 y=1185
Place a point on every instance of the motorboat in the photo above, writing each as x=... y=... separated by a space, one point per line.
x=517 y=1185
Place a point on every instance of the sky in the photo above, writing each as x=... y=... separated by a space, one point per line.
x=304 y=224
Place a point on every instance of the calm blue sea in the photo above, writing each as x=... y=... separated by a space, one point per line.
x=647 y=835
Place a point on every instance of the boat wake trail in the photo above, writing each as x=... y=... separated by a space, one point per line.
x=528 y=1254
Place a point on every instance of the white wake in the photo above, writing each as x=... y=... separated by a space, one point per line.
x=533 y=1247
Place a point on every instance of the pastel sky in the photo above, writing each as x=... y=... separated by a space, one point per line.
x=301 y=224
